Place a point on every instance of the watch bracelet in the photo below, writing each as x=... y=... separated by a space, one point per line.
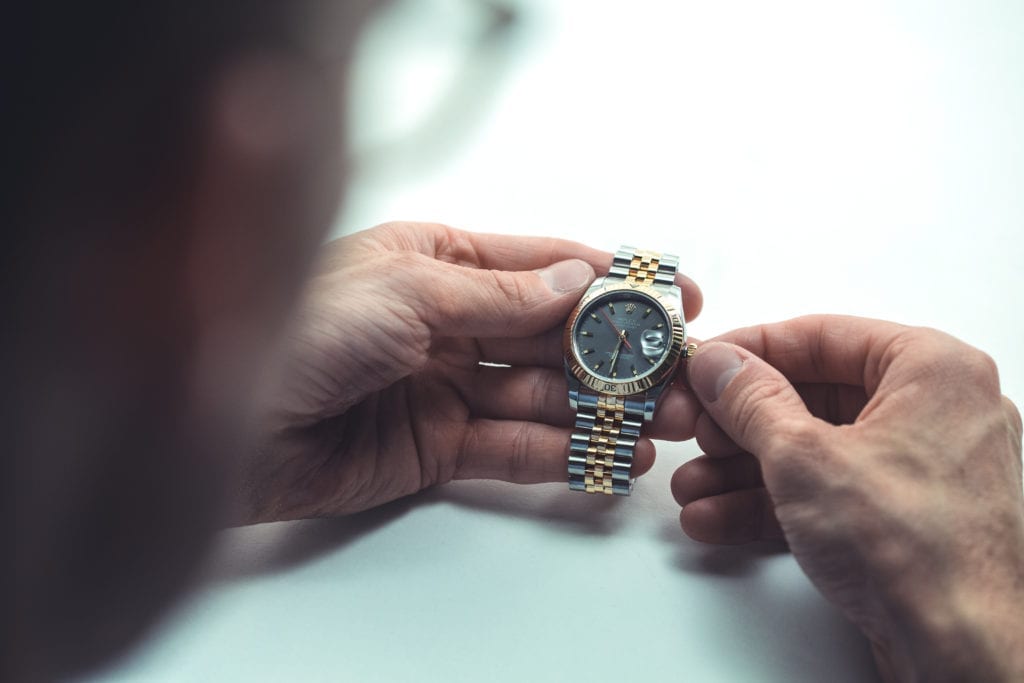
x=644 y=267
x=603 y=443
x=608 y=427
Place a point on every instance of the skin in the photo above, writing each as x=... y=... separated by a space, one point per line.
x=887 y=459
x=883 y=455
x=392 y=332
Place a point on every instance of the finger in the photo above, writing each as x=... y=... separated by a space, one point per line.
x=821 y=348
x=543 y=350
x=751 y=401
x=505 y=252
x=531 y=394
x=509 y=252
x=456 y=301
x=731 y=518
x=707 y=476
x=837 y=404
x=675 y=418
x=526 y=452
x=711 y=439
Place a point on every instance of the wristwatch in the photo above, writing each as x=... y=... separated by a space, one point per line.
x=623 y=343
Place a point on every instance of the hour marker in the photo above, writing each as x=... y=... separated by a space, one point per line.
x=584 y=333
x=598 y=364
x=615 y=373
x=611 y=307
x=594 y=316
x=652 y=361
x=659 y=326
x=587 y=352
x=647 y=313
x=630 y=307
x=635 y=373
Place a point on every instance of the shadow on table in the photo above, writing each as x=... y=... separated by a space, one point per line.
x=725 y=561
x=772 y=610
x=266 y=549
x=547 y=505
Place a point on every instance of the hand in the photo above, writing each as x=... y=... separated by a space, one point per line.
x=887 y=459
x=383 y=392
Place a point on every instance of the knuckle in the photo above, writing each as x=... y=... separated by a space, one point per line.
x=451 y=245
x=543 y=390
x=749 y=417
x=794 y=452
x=788 y=442
x=940 y=358
x=418 y=279
x=981 y=368
x=519 y=454
x=433 y=239
x=796 y=436
x=390 y=236
x=924 y=346
x=509 y=288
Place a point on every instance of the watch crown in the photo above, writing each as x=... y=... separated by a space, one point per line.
x=689 y=350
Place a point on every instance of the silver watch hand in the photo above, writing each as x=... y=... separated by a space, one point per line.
x=615 y=354
x=617 y=331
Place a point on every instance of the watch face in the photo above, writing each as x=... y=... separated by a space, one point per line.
x=622 y=335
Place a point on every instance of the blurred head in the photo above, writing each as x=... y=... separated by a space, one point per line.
x=177 y=163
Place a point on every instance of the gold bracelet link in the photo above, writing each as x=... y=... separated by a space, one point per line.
x=643 y=267
x=604 y=436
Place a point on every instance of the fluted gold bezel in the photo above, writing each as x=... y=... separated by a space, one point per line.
x=669 y=305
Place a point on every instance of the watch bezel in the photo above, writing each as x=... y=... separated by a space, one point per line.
x=670 y=304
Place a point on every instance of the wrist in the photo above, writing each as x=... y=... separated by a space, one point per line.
x=969 y=633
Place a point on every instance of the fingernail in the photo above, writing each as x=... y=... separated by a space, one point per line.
x=567 y=276
x=712 y=369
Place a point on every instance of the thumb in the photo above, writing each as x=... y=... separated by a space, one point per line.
x=750 y=400
x=498 y=303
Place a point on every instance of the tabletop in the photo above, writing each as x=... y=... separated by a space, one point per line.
x=801 y=157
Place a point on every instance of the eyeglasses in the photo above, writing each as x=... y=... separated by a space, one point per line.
x=425 y=72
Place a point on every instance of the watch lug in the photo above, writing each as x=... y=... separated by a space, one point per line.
x=651 y=400
x=595 y=286
x=574 y=389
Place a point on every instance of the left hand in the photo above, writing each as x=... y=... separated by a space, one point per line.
x=384 y=393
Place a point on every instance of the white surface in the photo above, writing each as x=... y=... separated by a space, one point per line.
x=862 y=158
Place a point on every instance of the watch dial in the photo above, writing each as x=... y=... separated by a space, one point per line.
x=622 y=336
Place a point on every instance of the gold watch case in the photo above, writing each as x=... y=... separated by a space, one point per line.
x=671 y=305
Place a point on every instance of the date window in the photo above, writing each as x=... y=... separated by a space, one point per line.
x=652 y=343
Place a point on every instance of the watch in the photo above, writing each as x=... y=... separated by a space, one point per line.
x=623 y=343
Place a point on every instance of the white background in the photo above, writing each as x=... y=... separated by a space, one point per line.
x=801 y=157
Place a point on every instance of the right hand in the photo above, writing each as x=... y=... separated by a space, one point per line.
x=890 y=463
